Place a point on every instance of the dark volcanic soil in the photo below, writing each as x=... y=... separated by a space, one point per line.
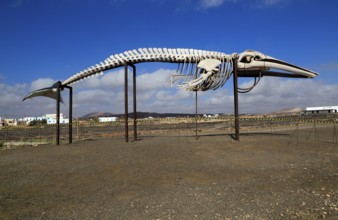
x=261 y=177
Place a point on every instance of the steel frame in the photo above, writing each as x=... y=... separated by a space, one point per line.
x=70 y=124
x=236 y=74
x=126 y=102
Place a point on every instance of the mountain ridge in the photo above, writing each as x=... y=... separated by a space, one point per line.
x=138 y=114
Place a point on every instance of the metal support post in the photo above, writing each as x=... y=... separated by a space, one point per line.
x=126 y=102
x=196 y=106
x=70 y=124
x=58 y=100
x=70 y=115
x=134 y=103
x=196 y=132
x=235 y=78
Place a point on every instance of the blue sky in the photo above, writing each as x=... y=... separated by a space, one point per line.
x=43 y=41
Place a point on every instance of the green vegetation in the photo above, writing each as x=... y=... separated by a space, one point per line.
x=38 y=122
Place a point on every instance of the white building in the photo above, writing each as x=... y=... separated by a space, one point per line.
x=210 y=116
x=8 y=122
x=11 y=122
x=52 y=121
x=107 y=119
x=323 y=109
x=50 y=118
x=28 y=119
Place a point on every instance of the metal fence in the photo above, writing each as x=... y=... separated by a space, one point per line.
x=35 y=135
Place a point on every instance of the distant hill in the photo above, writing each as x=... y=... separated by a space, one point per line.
x=97 y=114
x=139 y=115
x=287 y=111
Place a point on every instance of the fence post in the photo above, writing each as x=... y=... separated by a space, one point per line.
x=126 y=131
x=236 y=113
x=334 y=138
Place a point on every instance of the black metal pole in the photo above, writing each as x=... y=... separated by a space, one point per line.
x=196 y=115
x=126 y=101
x=235 y=78
x=70 y=125
x=196 y=73
x=134 y=103
x=58 y=115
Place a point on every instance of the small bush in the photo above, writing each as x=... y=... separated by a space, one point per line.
x=38 y=122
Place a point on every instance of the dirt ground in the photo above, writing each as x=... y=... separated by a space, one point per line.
x=272 y=175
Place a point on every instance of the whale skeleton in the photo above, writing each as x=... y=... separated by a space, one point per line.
x=197 y=70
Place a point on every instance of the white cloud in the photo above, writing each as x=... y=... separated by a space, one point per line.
x=210 y=3
x=155 y=80
x=275 y=93
x=206 y=4
x=114 y=80
x=10 y=95
x=11 y=105
x=41 y=83
x=169 y=95
x=106 y=94
x=271 y=2
x=93 y=96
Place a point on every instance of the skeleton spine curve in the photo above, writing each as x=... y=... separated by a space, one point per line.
x=187 y=60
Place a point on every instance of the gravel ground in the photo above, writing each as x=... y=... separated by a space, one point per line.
x=172 y=177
